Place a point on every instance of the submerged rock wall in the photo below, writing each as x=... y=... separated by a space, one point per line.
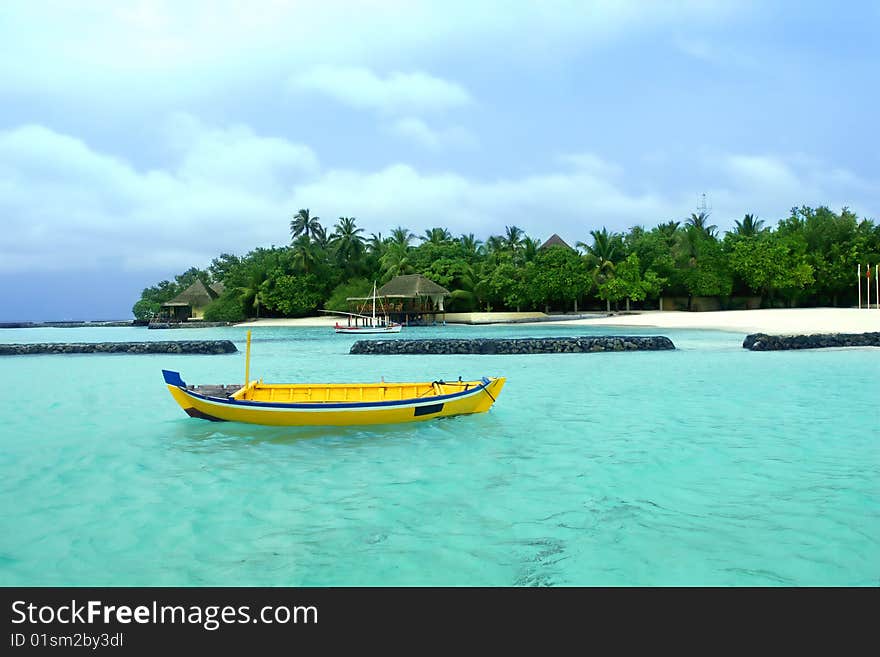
x=177 y=347
x=764 y=342
x=587 y=344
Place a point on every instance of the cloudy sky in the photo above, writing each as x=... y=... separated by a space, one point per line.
x=140 y=138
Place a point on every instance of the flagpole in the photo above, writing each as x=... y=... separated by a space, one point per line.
x=877 y=287
x=859 y=278
x=868 y=276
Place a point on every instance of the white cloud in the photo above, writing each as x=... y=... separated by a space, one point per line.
x=771 y=184
x=762 y=171
x=419 y=132
x=153 y=51
x=569 y=203
x=236 y=157
x=67 y=206
x=591 y=163
x=397 y=93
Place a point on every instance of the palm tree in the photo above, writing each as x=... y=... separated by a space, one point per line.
x=470 y=245
x=395 y=260
x=348 y=243
x=701 y=222
x=530 y=247
x=305 y=253
x=304 y=224
x=604 y=247
x=749 y=226
x=376 y=244
x=251 y=293
x=494 y=244
x=436 y=236
x=401 y=236
x=601 y=255
x=513 y=238
x=668 y=231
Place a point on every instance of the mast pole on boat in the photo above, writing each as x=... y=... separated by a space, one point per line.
x=247 y=360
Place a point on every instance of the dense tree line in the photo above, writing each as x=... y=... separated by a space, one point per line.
x=808 y=258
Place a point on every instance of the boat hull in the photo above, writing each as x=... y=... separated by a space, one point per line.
x=476 y=399
x=369 y=329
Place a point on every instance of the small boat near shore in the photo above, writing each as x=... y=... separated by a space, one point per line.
x=361 y=323
x=368 y=326
x=332 y=404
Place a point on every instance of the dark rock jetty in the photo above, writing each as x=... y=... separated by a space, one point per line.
x=69 y=324
x=178 y=347
x=764 y=342
x=589 y=344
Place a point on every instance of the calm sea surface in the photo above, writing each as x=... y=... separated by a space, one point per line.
x=708 y=465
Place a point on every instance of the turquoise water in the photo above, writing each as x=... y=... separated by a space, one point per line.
x=709 y=465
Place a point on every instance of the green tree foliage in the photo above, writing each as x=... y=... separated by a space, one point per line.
x=356 y=287
x=227 y=308
x=557 y=277
x=833 y=244
x=631 y=283
x=749 y=226
x=700 y=221
x=396 y=259
x=293 y=295
x=771 y=264
x=348 y=245
x=505 y=287
x=701 y=267
x=303 y=223
x=152 y=299
x=223 y=265
x=808 y=258
x=602 y=254
x=436 y=236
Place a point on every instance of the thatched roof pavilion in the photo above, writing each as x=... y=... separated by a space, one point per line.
x=191 y=303
x=412 y=286
x=410 y=299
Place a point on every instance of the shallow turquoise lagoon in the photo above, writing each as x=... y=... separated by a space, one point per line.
x=709 y=465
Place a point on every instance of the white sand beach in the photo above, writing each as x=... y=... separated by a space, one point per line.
x=778 y=321
x=319 y=320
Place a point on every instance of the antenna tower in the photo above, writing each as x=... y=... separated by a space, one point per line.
x=702 y=208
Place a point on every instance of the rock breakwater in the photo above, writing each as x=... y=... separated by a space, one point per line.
x=205 y=347
x=764 y=342
x=587 y=344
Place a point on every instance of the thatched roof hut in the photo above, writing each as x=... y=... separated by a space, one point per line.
x=412 y=286
x=416 y=289
x=554 y=240
x=193 y=300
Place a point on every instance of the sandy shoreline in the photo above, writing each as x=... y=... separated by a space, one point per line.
x=776 y=321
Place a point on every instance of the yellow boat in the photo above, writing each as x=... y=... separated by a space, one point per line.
x=333 y=404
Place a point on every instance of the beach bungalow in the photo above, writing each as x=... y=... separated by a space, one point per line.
x=412 y=299
x=191 y=303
